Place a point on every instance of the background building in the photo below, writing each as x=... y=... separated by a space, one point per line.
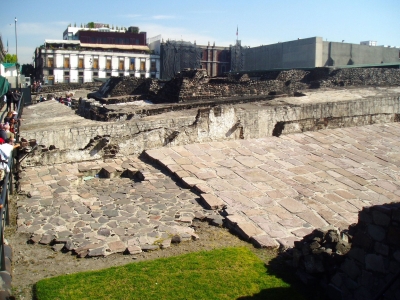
x=309 y=53
x=95 y=52
x=179 y=55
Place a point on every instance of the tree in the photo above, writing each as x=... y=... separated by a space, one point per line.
x=10 y=58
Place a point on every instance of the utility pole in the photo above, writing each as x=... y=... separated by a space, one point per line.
x=16 y=50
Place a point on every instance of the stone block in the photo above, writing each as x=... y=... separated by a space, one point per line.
x=375 y=263
x=46 y=239
x=108 y=172
x=133 y=249
x=381 y=248
x=247 y=230
x=148 y=248
x=350 y=268
x=379 y=218
x=211 y=201
x=101 y=251
x=264 y=241
x=117 y=246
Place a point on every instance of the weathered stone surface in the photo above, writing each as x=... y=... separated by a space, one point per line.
x=264 y=241
x=46 y=239
x=149 y=247
x=374 y=263
x=211 y=201
x=117 y=246
x=248 y=230
x=134 y=249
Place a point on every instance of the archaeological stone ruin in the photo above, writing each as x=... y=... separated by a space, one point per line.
x=305 y=160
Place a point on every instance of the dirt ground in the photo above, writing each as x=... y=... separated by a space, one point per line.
x=32 y=263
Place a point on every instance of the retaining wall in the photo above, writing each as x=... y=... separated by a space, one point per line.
x=224 y=122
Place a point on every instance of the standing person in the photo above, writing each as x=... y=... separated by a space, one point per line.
x=10 y=99
x=17 y=97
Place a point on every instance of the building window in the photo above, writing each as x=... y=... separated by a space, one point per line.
x=66 y=73
x=108 y=64
x=121 y=74
x=108 y=74
x=66 y=62
x=153 y=75
x=80 y=79
x=142 y=76
x=95 y=63
x=121 y=65
x=132 y=75
x=66 y=79
x=80 y=73
x=51 y=72
x=95 y=73
x=80 y=63
x=132 y=64
x=142 y=65
x=50 y=62
x=153 y=67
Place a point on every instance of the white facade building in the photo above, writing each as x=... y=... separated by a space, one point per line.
x=369 y=43
x=70 y=61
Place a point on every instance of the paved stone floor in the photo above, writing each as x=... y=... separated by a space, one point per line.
x=276 y=190
x=273 y=190
x=99 y=216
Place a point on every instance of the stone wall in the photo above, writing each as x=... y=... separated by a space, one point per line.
x=62 y=87
x=362 y=262
x=195 y=85
x=224 y=122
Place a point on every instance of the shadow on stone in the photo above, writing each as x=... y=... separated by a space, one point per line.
x=361 y=262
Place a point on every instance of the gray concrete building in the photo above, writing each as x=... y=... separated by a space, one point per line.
x=310 y=53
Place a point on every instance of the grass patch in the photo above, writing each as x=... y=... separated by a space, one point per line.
x=228 y=273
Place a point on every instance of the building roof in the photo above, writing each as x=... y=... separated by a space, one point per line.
x=72 y=42
x=116 y=46
x=8 y=65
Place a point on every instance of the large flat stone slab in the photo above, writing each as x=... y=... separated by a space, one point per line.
x=282 y=188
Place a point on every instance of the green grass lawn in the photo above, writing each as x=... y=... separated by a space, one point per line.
x=229 y=273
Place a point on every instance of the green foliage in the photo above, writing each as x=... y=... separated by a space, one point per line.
x=10 y=58
x=228 y=273
x=91 y=24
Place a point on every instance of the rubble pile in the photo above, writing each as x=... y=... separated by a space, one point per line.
x=362 y=262
x=318 y=254
x=362 y=77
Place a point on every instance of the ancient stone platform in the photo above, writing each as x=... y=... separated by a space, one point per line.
x=131 y=207
x=276 y=190
x=271 y=191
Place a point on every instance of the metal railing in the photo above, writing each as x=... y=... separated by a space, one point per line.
x=7 y=189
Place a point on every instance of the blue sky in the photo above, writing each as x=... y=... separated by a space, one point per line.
x=260 y=22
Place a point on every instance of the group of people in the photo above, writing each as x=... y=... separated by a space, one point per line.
x=36 y=86
x=7 y=134
x=12 y=97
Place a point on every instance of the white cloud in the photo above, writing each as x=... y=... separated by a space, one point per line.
x=162 y=17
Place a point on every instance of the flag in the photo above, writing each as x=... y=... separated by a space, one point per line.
x=7 y=45
x=237 y=30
